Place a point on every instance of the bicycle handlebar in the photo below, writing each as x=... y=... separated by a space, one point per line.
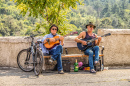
x=26 y=37
x=31 y=36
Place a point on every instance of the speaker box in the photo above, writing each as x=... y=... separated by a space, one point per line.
x=66 y=65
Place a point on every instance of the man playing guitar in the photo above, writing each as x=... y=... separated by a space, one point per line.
x=56 y=50
x=91 y=50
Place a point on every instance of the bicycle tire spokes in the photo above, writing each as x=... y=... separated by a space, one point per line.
x=23 y=61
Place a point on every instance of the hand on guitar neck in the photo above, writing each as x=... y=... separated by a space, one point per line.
x=61 y=39
x=96 y=42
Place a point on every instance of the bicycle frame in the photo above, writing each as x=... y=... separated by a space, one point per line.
x=34 y=56
x=33 y=51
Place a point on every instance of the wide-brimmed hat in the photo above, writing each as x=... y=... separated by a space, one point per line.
x=90 y=23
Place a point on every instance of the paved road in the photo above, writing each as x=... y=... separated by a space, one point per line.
x=111 y=77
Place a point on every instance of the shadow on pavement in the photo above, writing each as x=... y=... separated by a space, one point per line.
x=7 y=71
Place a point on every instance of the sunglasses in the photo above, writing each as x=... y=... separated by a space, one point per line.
x=54 y=29
x=91 y=27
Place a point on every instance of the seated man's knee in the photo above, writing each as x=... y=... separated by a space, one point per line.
x=59 y=55
x=90 y=53
x=97 y=47
x=59 y=46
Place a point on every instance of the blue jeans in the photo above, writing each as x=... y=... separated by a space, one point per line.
x=91 y=51
x=56 y=55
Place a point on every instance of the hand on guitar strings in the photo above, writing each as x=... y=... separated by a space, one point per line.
x=52 y=39
x=84 y=43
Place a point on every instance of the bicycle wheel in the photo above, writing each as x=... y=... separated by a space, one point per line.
x=38 y=64
x=24 y=60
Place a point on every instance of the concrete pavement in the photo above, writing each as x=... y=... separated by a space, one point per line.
x=111 y=77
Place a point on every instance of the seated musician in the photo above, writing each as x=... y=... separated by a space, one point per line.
x=56 y=50
x=94 y=49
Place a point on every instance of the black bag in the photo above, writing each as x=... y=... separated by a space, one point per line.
x=66 y=65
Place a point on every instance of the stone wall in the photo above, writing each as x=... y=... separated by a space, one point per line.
x=9 y=49
x=117 y=47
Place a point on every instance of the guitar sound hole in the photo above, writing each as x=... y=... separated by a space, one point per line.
x=88 y=42
x=82 y=45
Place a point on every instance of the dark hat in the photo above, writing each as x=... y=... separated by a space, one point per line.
x=90 y=23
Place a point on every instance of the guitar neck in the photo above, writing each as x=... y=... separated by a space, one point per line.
x=96 y=38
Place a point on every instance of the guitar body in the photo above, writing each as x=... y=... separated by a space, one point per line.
x=89 y=42
x=84 y=47
x=51 y=45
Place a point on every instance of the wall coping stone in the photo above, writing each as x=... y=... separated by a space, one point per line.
x=114 y=31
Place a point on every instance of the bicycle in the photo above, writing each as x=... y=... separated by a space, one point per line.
x=24 y=60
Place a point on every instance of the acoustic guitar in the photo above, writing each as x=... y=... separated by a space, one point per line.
x=89 y=42
x=50 y=45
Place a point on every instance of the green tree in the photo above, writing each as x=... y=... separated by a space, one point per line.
x=100 y=12
x=106 y=22
x=53 y=11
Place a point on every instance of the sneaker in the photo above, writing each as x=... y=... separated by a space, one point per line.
x=61 y=72
x=51 y=60
x=92 y=71
x=96 y=63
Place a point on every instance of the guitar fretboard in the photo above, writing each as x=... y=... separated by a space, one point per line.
x=101 y=36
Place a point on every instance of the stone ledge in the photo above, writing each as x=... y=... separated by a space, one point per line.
x=22 y=39
x=113 y=31
x=17 y=39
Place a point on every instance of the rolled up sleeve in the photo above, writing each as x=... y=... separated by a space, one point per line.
x=43 y=39
x=44 y=50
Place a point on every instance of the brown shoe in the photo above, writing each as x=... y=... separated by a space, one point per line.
x=61 y=72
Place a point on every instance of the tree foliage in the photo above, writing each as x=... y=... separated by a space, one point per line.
x=52 y=11
x=112 y=14
x=13 y=24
